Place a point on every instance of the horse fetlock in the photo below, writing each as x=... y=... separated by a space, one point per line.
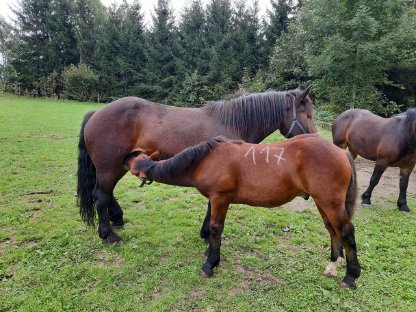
x=331 y=268
x=119 y=224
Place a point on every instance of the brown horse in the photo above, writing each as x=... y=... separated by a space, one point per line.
x=267 y=175
x=390 y=142
x=133 y=124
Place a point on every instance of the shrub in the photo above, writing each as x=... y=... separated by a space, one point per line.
x=80 y=83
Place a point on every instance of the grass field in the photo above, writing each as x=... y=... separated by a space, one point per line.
x=272 y=260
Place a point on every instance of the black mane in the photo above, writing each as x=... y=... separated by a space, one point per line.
x=410 y=120
x=179 y=163
x=265 y=110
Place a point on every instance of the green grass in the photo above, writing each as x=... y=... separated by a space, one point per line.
x=272 y=260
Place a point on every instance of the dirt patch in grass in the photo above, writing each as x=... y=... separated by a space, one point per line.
x=249 y=276
x=107 y=260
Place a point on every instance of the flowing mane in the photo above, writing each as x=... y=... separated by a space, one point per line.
x=410 y=118
x=252 y=111
x=180 y=162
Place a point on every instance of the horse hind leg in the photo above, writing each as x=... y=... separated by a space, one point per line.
x=204 y=233
x=337 y=252
x=379 y=169
x=116 y=213
x=404 y=182
x=107 y=208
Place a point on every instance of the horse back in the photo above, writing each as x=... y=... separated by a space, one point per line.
x=366 y=134
x=270 y=175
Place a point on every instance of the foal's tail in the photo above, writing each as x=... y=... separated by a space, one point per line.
x=175 y=166
x=86 y=178
x=352 y=192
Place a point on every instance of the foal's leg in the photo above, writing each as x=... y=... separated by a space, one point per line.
x=337 y=253
x=103 y=194
x=204 y=232
x=345 y=231
x=404 y=182
x=218 y=212
x=353 y=267
x=379 y=169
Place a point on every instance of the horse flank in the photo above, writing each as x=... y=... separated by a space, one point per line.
x=172 y=167
x=247 y=112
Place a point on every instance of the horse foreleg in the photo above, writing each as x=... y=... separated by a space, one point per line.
x=404 y=182
x=218 y=212
x=103 y=199
x=204 y=232
x=375 y=178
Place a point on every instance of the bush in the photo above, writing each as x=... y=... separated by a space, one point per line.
x=80 y=83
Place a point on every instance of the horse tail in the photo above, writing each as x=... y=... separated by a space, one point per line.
x=178 y=164
x=352 y=191
x=86 y=178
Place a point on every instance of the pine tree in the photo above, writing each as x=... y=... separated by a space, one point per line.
x=120 y=57
x=89 y=16
x=46 y=42
x=161 y=53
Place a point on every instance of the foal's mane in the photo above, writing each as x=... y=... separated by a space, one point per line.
x=254 y=111
x=181 y=162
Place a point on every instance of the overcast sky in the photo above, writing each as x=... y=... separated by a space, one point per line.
x=147 y=6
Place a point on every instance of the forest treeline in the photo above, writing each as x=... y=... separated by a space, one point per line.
x=355 y=53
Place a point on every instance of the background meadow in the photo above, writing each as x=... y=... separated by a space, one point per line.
x=272 y=260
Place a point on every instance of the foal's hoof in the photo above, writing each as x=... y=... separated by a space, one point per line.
x=348 y=282
x=113 y=238
x=206 y=272
x=404 y=209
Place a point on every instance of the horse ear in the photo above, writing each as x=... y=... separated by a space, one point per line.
x=306 y=92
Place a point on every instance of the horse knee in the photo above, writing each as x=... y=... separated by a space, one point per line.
x=216 y=228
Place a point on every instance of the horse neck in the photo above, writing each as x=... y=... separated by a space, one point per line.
x=248 y=128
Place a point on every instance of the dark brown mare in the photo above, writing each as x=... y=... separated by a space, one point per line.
x=390 y=142
x=267 y=175
x=133 y=124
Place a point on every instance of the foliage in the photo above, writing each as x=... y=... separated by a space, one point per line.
x=272 y=259
x=347 y=48
x=357 y=53
x=80 y=83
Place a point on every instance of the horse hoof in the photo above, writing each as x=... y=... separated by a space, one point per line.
x=404 y=209
x=348 y=283
x=204 y=274
x=206 y=271
x=366 y=203
x=113 y=238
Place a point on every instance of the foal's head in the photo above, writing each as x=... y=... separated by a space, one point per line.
x=299 y=114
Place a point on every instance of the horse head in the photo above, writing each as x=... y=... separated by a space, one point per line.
x=300 y=114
